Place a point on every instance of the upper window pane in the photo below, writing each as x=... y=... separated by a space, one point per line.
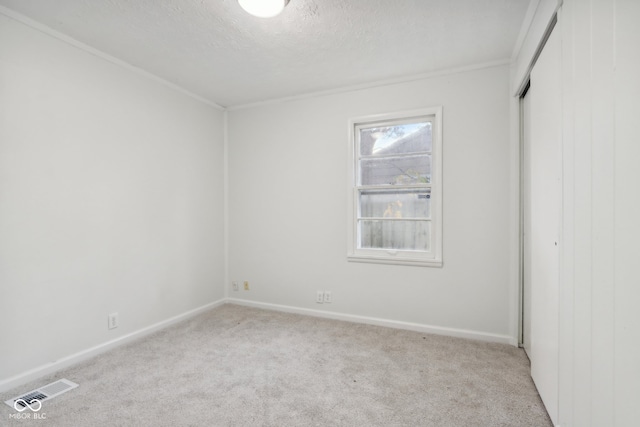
x=405 y=170
x=397 y=139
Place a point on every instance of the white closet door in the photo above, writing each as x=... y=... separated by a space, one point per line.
x=545 y=214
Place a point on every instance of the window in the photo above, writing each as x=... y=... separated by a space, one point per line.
x=395 y=195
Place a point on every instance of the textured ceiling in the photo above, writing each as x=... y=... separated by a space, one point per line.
x=214 y=49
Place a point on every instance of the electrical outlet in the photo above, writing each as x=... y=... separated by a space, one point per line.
x=246 y=285
x=319 y=297
x=112 y=321
x=235 y=286
x=327 y=297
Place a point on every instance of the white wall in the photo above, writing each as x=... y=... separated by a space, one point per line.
x=111 y=194
x=288 y=195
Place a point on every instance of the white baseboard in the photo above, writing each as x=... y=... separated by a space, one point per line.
x=417 y=327
x=40 y=371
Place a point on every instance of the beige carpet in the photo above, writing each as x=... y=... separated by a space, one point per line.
x=238 y=366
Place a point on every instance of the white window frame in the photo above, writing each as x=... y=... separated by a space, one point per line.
x=432 y=258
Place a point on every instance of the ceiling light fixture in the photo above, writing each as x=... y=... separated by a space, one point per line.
x=263 y=8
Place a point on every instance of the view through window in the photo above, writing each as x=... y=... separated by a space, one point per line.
x=394 y=189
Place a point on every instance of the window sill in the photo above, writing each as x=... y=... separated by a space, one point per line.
x=395 y=261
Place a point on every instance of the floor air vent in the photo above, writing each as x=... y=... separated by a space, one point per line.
x=41 y=394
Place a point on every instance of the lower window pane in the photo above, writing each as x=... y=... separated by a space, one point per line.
x=400 y=235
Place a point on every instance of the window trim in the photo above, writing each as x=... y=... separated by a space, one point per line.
x=397 y=257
